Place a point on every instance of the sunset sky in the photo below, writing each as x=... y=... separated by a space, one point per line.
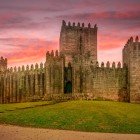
x=28 y=28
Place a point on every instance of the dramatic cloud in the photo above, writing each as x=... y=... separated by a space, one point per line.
x=111 y=15
x=31 y=27
x=26 y=51
x=12 y=20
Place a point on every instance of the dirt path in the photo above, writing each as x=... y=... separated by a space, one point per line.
x=9 y=132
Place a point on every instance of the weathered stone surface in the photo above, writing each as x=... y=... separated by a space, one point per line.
x=74 y=73
x=75 y=40
x=131 y=57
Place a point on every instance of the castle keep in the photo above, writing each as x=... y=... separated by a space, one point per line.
x=74 y=71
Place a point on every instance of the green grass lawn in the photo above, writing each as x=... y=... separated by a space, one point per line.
x=99 y=116
x=15 y=106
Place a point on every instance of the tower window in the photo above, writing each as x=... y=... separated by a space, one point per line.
x=134 y=47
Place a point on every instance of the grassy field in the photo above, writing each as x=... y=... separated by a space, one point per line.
x=99 y=116
x=15 y=106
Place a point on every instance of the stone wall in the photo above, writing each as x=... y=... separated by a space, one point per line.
x=131 y=56
x=47 y=81
x=33 y=83
x=20 y=84
x=54 y=73
x=3 y=64
x=75 y=72
x=109 y=83
x=76 y=39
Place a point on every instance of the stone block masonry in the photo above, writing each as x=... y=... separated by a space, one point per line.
x=22 y=84
x=102 y=82
x=32 y=83
x=131 y=57
x=74 y=72
x=78 y=39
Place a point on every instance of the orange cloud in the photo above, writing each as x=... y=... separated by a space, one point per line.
x=35 y=19
x=109 y=42
x=27 y=51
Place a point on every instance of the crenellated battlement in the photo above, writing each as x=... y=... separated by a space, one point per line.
x=132 y=44
x=27 y=68
x=55 y=55
x=108 y=64
x=78 y=40
x=76 y=70
x=54 y=58
x=78 y=26
x=3 y=61
x=131 y=48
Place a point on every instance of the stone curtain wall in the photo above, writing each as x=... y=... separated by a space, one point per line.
x=47 y=80
x=33 y=83
x=20 y=84
x=109 y=83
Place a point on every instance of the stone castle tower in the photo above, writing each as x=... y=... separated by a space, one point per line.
x=74 y=72
x=131 y=57
x=3 y=64
x=78 y=39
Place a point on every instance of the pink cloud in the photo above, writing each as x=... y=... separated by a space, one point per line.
x=27 y=50
x=116 y=15
x=21 y=21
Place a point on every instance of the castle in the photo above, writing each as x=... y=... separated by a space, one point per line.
x=74 y=71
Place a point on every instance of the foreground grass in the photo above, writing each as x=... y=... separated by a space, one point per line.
x=99 y=116
x=15 y=106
